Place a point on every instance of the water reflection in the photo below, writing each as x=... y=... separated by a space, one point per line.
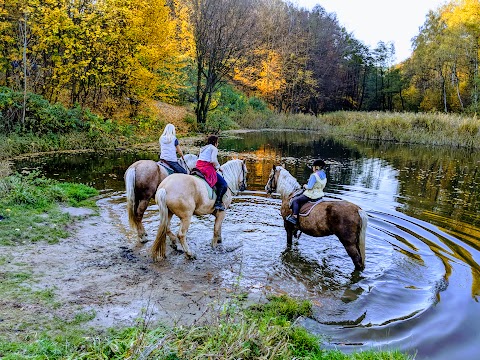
x=423 y=238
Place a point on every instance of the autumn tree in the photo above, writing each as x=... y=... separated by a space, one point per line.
x=462 y=19
x=260 y=71
x=327 y=59
x=443 y=69
x=103 y=54
x=223 y=33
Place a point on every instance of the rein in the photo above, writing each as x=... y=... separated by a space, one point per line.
x=186 y=165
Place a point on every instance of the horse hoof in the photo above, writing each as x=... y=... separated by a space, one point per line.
x=143 y=239
x=219 y=249
x=190 y=256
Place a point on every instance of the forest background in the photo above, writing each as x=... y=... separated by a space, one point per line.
x=105 y=67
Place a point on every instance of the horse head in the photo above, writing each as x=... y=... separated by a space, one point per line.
x=243 y=183
x=235 y=173
x=272 y=182
x=188 y=162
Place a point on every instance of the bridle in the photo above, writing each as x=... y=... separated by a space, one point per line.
x=272 y=183
x=243 y=184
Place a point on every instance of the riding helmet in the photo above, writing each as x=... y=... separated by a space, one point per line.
x=320 y=163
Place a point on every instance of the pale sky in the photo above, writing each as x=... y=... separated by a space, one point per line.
x=372 y=21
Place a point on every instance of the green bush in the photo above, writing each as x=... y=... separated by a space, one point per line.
x=257 y=104
x=41 y=117
x=218 y=121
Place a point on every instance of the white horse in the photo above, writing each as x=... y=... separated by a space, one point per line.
x=185 y=195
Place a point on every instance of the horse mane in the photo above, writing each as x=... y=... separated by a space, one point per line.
x=286 y=183
x=188 y=161
x=231 y=172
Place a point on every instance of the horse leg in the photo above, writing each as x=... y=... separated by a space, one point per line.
x=182 y=234
x=217 y=228
x=289 y=229
x=142 y=234
x=353 y=251
x=171 y=235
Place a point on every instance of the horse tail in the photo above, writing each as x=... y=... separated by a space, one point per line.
x=159 y=247
x=130 y=189
x=362 y=235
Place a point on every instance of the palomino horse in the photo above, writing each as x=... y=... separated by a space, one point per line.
x=186 y=195
x=141 y=181
x=336 y=217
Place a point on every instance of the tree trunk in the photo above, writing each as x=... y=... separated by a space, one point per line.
x=23 y=33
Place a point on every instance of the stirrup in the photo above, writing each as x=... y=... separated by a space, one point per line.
x=219 y=207
x=291 y=219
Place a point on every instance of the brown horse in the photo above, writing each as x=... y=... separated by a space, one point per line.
x=186 y=195
x=141 y=181
x=336 y=217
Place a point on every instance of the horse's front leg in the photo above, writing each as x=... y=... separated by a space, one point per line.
x=182 y=235
x=217 y=228
x=289 y=229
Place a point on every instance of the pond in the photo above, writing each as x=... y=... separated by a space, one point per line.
x=421 y=285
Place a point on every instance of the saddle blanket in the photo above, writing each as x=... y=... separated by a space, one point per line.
x=166 y=166
x=211 y=191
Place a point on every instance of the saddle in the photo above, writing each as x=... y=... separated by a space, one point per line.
x=211 y=190
x=308 y=207
x=166 y=166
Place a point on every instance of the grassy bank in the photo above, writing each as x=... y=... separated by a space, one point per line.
x=264 y=331
x=30 y=208
x=437 y=129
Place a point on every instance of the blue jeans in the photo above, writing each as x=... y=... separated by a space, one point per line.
x=222 y=187
x=297 y=203
x=176 y=167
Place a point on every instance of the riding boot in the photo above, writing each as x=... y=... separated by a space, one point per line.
x=221 y=190
x=292 y=219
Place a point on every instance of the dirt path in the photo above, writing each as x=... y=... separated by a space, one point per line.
x=102 y=268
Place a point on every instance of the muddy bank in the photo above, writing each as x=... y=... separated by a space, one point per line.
x=101 y=269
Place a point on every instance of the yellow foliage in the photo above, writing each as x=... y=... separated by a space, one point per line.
x=270 y=79
x=463 y=14
x=267 y=78
x=431 y=101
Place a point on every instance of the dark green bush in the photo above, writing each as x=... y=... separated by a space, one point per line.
x=41 y=117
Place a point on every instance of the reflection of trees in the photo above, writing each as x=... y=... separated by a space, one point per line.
x=273 y=147
x=440 y=186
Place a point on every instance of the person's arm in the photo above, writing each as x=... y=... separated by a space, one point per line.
x=311 y=181
x=178 y=148
x=214 y=158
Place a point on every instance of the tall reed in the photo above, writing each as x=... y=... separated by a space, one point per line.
x=419 y=128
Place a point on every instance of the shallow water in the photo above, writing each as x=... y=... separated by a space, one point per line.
x=421 y=286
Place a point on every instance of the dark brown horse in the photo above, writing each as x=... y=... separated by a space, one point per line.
x=336 y=217
x=141 y=181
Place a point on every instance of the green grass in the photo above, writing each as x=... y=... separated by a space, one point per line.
x=262 y=331
x=30 y=211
